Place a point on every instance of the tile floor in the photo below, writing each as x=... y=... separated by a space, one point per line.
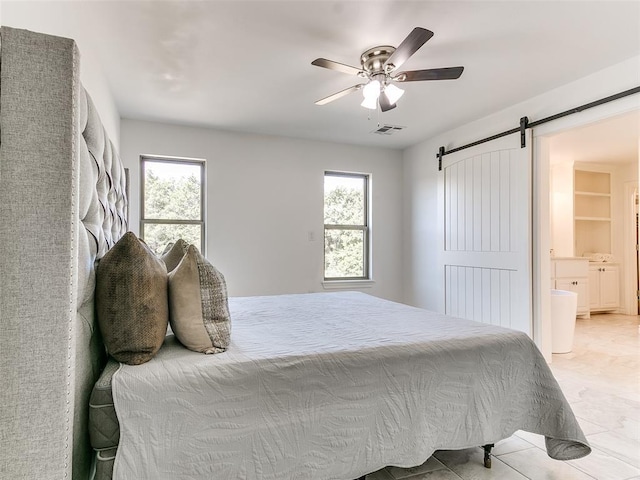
x=601 y=380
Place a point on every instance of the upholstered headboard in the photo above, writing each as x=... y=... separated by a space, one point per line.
x=62 y=206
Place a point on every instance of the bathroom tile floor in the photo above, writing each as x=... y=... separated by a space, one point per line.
x=601 y=380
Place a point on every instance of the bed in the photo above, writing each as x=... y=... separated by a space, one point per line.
x=321 y=386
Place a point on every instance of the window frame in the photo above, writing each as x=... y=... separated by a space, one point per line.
x=199 y=162
x=364 y=228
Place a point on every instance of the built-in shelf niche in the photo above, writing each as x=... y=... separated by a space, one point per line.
x=589 y=206
x=592 y=212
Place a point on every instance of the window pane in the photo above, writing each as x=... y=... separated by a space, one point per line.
x=344 y=200
x=158 y=235
x=172 y=191
x=343 y=253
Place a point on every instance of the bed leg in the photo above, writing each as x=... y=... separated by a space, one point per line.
x=487 y=455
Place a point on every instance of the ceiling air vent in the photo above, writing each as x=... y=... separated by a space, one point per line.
x=387 y=129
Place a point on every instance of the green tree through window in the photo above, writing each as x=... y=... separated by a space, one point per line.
x=172 y=203
x=346 y=233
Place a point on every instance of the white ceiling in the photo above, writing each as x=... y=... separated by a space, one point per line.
x=614 y=141
x=246 y=65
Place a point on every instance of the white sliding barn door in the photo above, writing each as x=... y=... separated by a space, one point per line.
x=486 y=206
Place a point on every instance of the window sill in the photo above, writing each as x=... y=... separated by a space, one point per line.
x=347 y=284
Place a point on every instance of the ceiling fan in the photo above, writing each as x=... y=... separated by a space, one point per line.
x=379 y=65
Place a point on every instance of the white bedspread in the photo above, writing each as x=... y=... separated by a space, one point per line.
x=333 y=386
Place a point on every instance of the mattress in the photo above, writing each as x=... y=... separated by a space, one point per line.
x=104 y=429
x=333 y=386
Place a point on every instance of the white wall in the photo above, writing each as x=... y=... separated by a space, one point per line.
x=44 y=17
x=422 y=278
x=620 y=174
x=95 y=83
x=624 y=181
x=264 y=196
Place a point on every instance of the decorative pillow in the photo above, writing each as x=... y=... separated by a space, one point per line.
x=131 y=301
x=173 y=253
x=166 y=249
x=198 y=304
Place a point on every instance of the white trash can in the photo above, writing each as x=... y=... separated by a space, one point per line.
x=564 y=307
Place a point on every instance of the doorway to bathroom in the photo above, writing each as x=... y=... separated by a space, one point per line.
x=593 y=214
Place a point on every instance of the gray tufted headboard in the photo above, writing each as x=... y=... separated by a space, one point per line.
x=62 y=206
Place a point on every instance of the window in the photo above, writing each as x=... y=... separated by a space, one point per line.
x=172 y=202
x=346 y=230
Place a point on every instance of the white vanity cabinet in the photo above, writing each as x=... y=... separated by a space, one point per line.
x=572 y=274
x=604 y=287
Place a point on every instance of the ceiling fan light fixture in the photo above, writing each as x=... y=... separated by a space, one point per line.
x=371 y=103
x=371 y=90
x=393 y=93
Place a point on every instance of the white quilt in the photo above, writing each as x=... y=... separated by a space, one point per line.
x=333 y=386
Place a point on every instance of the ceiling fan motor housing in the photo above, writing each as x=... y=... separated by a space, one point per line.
x=373 y=60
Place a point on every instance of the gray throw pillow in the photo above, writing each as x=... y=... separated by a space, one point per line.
x=198 y=304
x=173 y=253
x=131 y=301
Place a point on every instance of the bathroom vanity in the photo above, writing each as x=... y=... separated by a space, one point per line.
x=597 y=284
x=604 y=287
x=572 y=274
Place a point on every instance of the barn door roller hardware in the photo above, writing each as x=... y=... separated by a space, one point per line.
x=524 y=124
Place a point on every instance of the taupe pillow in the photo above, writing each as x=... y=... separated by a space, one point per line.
x=131 y=301
x=198 y=304
x=173 y=253
x=168 y=247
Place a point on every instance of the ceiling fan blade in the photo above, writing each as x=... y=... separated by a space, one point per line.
x=384 y=103
x=340 y=94
x=448 y=73
x=340 y=67
x=408 y=47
